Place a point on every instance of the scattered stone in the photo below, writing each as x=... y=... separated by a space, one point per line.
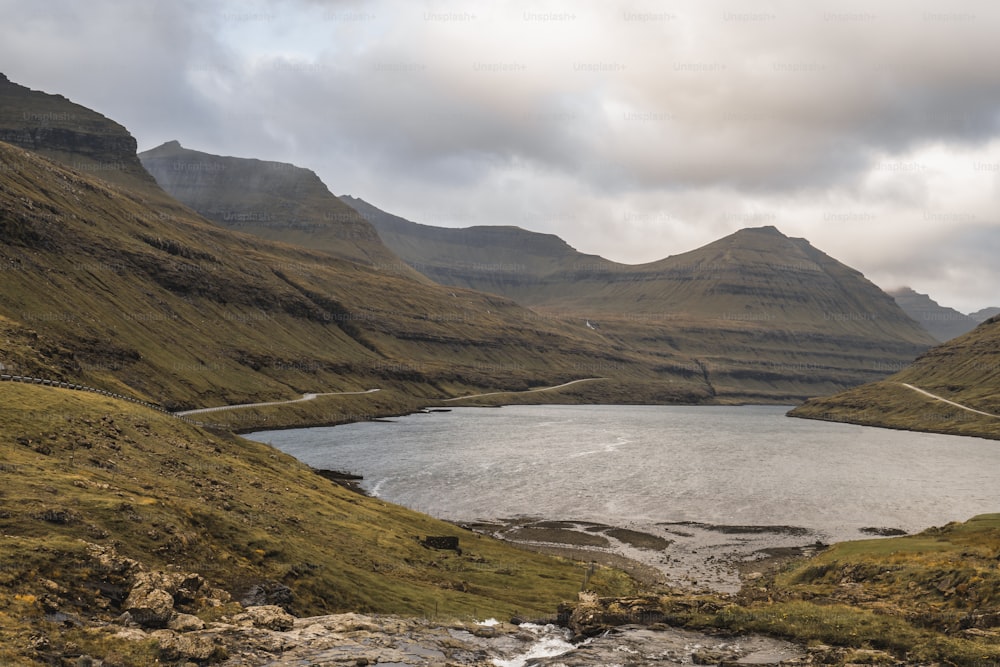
x=708 y=656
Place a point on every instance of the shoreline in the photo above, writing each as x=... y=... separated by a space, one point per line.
x=691 y=557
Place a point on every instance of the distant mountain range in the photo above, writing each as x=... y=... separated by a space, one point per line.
x=963 y=373
x=241 y=279
x=941 y=322
x=758 y=312
x=985 y=314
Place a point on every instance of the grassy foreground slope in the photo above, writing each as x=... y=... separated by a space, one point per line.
x=927 y=599
x=81 y=470
x=933 y=596
x=965 y=370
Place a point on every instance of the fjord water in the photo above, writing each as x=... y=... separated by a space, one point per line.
x=654 y=465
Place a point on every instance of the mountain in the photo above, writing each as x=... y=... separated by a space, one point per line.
x=100 y=289
x=128 y=290
x=760 y=316
x=941 y=322
x=144 y=296
x=273 y=200
x=964 y=371
x=985 y=314
x=524 y=265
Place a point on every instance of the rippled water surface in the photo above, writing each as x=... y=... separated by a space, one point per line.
x=649 y=465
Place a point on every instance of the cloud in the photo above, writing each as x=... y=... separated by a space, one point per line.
x=629 y=129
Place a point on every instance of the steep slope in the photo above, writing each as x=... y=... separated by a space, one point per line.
x=985 y=314
x=963 y=371
x=273 y=200
x=99 y=288
x=759 y=315
x=941 y=322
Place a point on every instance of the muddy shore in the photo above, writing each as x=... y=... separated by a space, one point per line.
x=689 y=556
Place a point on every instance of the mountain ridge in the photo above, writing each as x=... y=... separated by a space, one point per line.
x=985 y=314
x=54 y=126
x=274 y=200
x=754 y=311
x=941 y=322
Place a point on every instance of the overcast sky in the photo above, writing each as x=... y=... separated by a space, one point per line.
x=634 y=130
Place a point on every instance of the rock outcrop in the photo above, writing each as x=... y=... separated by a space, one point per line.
x=52 y=126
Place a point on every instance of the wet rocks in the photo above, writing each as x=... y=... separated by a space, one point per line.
x=592 y=615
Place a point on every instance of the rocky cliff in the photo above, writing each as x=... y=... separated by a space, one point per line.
x=74 y=135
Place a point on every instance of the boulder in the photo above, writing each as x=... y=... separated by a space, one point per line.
x=186 y=623
x=182 y=586
x=271 y=617
x=268 y=593
x=200 y=646
x=150 y=608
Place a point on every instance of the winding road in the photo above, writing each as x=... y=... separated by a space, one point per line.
x=310 y=397
x=945 y=400
x=305 y=397
x=526 y=391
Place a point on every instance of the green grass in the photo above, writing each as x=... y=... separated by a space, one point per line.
x=930 y=598
x=83 y=469
x=912 y=596
x=965 y=370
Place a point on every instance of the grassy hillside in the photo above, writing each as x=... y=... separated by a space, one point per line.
x=100 y=289
x=81 y=470
x=965 y=370
x=934 y=596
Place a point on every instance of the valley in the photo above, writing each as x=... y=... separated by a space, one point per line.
x=202 y=296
